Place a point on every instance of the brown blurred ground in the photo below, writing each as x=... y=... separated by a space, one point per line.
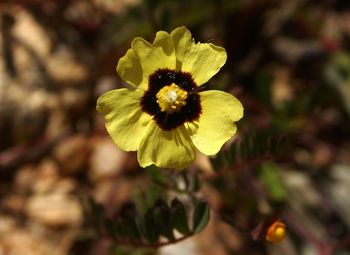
x=57 y=57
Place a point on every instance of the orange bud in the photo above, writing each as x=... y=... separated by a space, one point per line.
x=276 y=232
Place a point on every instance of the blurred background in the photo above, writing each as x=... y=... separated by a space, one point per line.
x=289 y=65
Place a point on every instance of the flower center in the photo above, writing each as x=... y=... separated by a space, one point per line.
x=171 y=98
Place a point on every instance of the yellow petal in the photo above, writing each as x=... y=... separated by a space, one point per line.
x=183 y=42
x=167 y=149
x=160 y=54
x=216 y=123
x=203 y=61
x=129 y=69
x=125 y=121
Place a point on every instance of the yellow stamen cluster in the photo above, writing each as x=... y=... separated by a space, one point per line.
x=276 y=232
x=171 y=98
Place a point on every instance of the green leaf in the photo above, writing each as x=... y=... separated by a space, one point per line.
x=256 y=144
x=129 y=221
x=155 y=174
x=272 y=181
x=150 y=227
x=179 y=217
x=200 y=216
x=156 y=180
x=161 y=214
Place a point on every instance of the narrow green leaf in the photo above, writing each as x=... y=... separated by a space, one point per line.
x=161 y=214
x=129 y=219
x=141 y=226
x=150 y=227
x=179 y=217
x=200 y=216
x=256 y=144
x=155 y=174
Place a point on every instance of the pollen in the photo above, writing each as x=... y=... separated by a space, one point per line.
x=171 y=98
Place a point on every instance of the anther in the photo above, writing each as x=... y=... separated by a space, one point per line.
x=171 y=98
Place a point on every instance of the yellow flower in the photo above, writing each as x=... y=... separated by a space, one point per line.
x=165 y=117
x=276 y=232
